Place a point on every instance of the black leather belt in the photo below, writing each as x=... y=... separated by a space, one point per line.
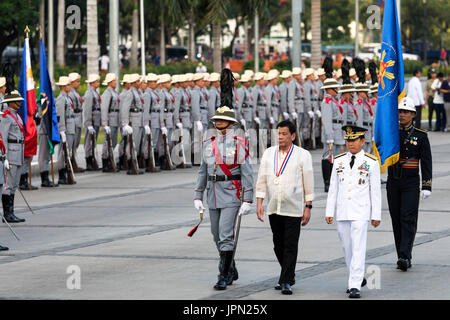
x=154 y=110
x=298 y=99
x=366 y=124
x=77 y=111
x=16 y=141
x=135 y=110
x=184 y=110
x=338 y=121
x=244 y=105
x=96 y=109
x=203 y=108
x=215 y=178
x=117 y=110
x=261 y=105
x=168 y=110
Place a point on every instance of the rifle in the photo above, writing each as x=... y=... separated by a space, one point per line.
x=169 y=163
x=125 y=160
x=311 y=134
x=74 y=162
x=183 y=155
x=94 y=145
x=151 y=154
x=134 y=167
x=70 y=175
x=110 y=152
x=327 y=166
x=298 y=138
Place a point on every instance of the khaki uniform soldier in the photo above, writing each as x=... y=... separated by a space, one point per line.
x=167 y=101
x=126 y=87
x=261 y=111
x=12 y=132
x=354 y=198
x=227 y=175
x=332 y=118
x=66 y=125
x=295 y=99
x=286 y=75
x=152 y=116
x=200 y=100
x=110 y=118
x=272 y=92
x=91 y=118
x=78 y=113
x=183 y=117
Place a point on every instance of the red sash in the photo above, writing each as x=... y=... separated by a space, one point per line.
x=327 y=100
x=351 y=106
x=15 y=119
x=2 y=146
x=187 y=96
x=369 y=109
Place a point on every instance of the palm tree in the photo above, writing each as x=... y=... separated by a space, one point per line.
x=134 y=37
x=60 y=57
x=92 y=37
x=316 y=45
x=217 y=14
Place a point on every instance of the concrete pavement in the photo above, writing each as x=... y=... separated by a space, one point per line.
x=127 y=235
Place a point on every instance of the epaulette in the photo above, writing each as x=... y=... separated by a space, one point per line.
x=371 y=156
x=424 y=131
x=210 y=138
x=340 y=155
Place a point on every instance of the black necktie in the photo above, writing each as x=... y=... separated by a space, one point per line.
x=352 y=162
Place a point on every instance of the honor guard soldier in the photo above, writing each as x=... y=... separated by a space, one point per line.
x=354 y=198
x=167 y=122
x=126 y=87
x=404 y=183
x=214 y=94
x=319 y=83
x=91 y=118
x=286 y=75
x=110 y=118
x=2 y=173
x=183 y=117
x=141 y=145
x=352 y=116
x=237 y=77
x=153 y=114
x=310 y=107
x=200 y=100
x=78 y=113
x=12 y=132
x=296 y=100
x=272 y=92
x=132 y=121
x=66 y=125
x=226 y=169
x=362 y=102
x=262 y=113
x=245 y=104
x=373 y=89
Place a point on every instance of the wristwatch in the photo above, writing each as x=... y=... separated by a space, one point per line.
x=309 y=206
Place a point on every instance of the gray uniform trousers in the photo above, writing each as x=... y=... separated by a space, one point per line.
x=76 y=99
x=110 y=117
x=222 y=227
x=92 y=117
x=61 y=160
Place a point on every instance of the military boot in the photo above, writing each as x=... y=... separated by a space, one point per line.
x=45 y=182
x=62 y=177
x=89 y=166
x=226 y=258
x=8 y=209
x=24 y=185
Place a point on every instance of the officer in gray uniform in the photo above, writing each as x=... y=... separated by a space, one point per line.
x=91 y=118
x=126 y=87
x=214 y=95
x=182 y=117
x=272 y=92
x=78 y=113
x=261 y=111
x=13 y=133
x=295 y=99
x=229 y=185
x=310 y=106
x=152 y=116
x=200 y=100
x=286 y=75
x=351 y=113
x=167 y=101
x=66 y=125
x=197 y=110
x=110 y=118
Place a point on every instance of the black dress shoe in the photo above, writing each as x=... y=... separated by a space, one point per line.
x=402 y=264
x=363 y=284
x=2 y=248
x=221 y=283
x=409 y=263
x=286 y=288
x=354 y=293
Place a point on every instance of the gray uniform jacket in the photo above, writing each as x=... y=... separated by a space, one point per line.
x=78 y=110
x=332 y=120
x=310 y=95
x=234 y=152
x=367 y=116
x=245 y=104
x=110 y=108
x=131 y=108
x=260 y=103
x=295 y=99
x=154 y=113
x=199 y=105
x=213 y=101
x=65 y=114
x=352 y=115
x=273 y=101
x=13 y=136
x=284 y=96
x=91 y=108
x=167 y=101
x=184 y=112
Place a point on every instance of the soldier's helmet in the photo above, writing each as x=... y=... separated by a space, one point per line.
x=407 y=103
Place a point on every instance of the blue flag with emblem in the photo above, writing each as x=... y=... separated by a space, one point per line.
x=390 y=89
x=49 y=119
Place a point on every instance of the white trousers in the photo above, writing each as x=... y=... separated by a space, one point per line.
x=353 y=236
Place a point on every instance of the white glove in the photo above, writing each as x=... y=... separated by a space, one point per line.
x=311 y=114
x=198 y=204
x=107 y=129
x=319 y=114
x=147 y=130
x=425 y=194
x=91 y=130
x=271 y=120
x=257 y=120
x=294 y=115
x=243 y=122
x=245 y=208
x=63 y=136
x=285 y=115
x=127 y=130
x=330 y=141
x=199 y=126
x=179 y=125
x=164 y=131
x=6 y=163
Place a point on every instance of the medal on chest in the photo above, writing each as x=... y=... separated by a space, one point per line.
x=413 y=141
x=279 y=171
